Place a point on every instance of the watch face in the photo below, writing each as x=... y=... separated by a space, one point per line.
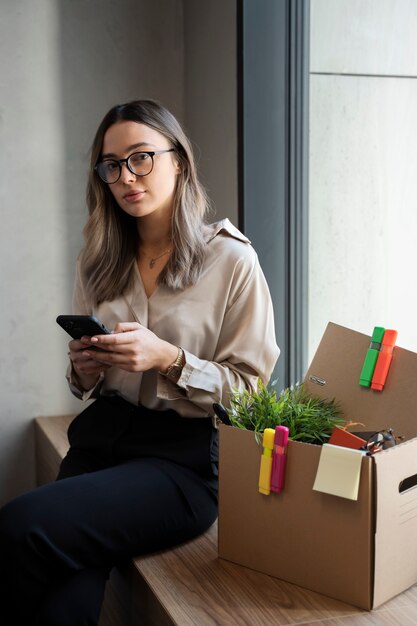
x=174 y=372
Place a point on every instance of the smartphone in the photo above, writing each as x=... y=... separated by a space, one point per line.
x=79 y=325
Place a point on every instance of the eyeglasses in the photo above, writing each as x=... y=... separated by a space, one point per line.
x=139 y=163
x=381 y=441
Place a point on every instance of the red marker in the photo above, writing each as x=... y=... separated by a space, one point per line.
x=384 y=360
x=278 y=458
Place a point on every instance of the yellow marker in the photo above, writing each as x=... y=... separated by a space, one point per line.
x=266 y=461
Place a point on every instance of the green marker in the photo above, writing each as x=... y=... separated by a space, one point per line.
x=371 y=357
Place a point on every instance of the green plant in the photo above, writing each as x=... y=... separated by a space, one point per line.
x=308 y=418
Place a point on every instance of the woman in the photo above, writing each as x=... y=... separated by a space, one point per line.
x=191 y=318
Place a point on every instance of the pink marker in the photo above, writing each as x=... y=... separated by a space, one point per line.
x=278 y=458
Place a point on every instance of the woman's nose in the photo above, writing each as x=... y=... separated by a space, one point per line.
x=126 y=175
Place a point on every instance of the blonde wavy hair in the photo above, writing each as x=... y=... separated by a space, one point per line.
x=111 y=238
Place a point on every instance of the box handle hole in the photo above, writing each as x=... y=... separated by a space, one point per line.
x=408 y=483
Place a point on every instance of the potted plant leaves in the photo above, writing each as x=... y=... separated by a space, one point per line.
x=308 y=418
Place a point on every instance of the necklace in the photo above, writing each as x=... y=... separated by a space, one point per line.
x=152 y=260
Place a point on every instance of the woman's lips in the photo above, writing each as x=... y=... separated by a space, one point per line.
x=133 y=196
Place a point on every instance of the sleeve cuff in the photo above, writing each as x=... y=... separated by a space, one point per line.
x=196 y=373
x=77 y=390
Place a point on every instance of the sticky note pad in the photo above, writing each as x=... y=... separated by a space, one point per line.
x=339 y=471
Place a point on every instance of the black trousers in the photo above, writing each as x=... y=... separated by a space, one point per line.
x=134 y=481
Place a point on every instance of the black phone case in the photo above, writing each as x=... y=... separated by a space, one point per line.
x=79 y=325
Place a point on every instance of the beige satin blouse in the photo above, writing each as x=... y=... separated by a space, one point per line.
x=224 y=324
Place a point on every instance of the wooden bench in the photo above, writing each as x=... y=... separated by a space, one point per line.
x=190 y=585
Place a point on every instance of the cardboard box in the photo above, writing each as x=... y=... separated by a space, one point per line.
x=361 y=552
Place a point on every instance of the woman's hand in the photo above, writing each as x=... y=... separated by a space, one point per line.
x=87 y=368
x=133 y=348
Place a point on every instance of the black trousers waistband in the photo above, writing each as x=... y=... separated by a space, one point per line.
x=120 y=431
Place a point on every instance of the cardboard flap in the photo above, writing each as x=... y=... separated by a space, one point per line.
x=334 y=374
x=396 y=523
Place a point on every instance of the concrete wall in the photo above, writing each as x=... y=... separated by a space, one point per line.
x=363 y=164
x=62 y=65
x=211 y=97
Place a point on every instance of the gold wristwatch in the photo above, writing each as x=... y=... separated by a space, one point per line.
x=174 y=370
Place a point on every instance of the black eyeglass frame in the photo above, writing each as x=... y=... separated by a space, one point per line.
x=120 y=162
x=381 y=440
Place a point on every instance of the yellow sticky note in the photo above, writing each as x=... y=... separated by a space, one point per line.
x=339 y=471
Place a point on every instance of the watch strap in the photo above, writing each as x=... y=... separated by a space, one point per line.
x=174 y=370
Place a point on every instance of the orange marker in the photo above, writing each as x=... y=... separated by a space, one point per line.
x=384 y=360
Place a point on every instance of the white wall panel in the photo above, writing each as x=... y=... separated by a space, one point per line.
x=364 y=36
x=363 y=199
